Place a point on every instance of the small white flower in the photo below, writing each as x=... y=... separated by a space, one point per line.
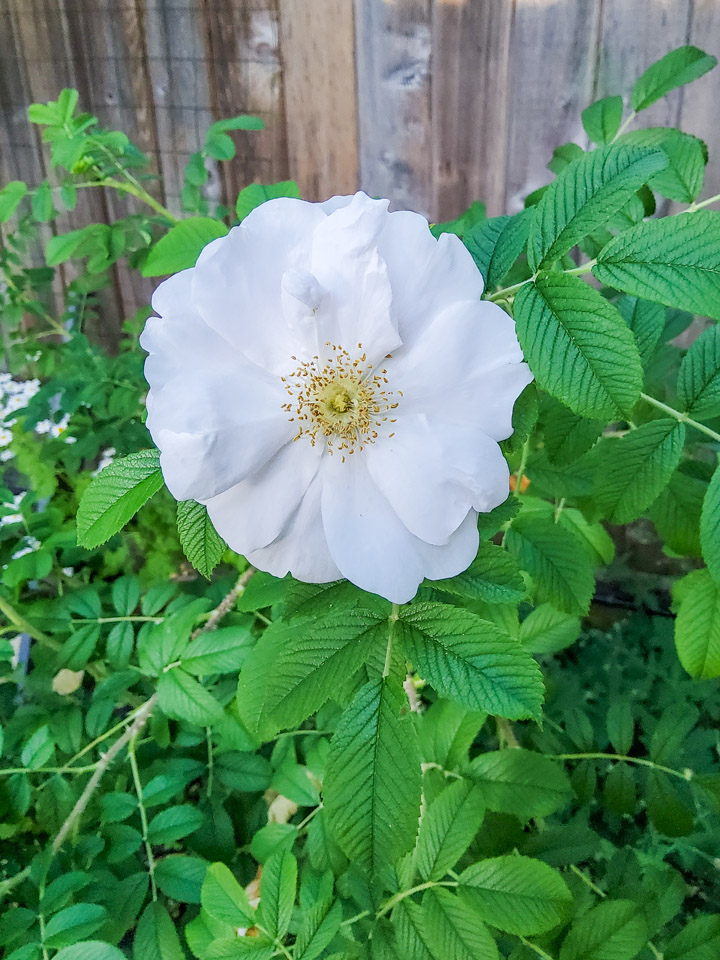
x=106 y=458
x=5 y=437
x=6 y=455
x=328 y=381
x=68 y=571
x=31 y=544
x=10 y=518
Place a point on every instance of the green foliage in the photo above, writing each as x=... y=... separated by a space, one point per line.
x=216 y=761
x=116 y=495
x=181 y=246
x=578 y=347
x=674 y=261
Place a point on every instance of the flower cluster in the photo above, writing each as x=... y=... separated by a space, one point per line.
x=328 y=380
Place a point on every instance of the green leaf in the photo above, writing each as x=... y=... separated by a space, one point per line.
x=578 y=346
x=80 y=646
x=620 y=726
x=493 y=576
x=585 y=196
x=220 y=146
x=675 y=69
x=320 y=924
x=218 y=651
x=74 y=923
x=196 y=173
x=698 y=940
x=602 y=119
x=372 y=779
x=568 y=435
x=710 y=527
x=675 y=261
x=676 y=512
x=90 y=950
x=295 y=667
x=182 y=245
x=646 y=320
x=411 y=935
x=556 y=560
x=115 y=495
x=471 y=661
x=256 y=193
x=10 y=197
x=125 y=595
x=183 y=698
x=202 y=545
x=38 y=749
x=277 y=894
x=224 y=899
x=516 y=894
x=547 y=630
x=174 y=823
x=447 y=828
x=243 y=121
x=697 y=625
x=683 y=177
x=156 y=937
x=42 y=205
x=453 y=929
x=181 y=877
x=699 y=376
x=613 y=930
x=495 y=245
x=521 y=782
x=636 y=468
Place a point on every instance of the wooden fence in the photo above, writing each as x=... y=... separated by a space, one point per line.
x=432 y=103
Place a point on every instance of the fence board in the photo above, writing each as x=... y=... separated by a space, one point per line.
x=699 y=109
x=471 y=61
x=318 y=57
x=553 y=57
x=393 y=46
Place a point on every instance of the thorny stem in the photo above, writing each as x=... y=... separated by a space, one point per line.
x=133 y=730
x=640 y=761
x=226 y=605
x=143 y=813
x=210 y=762
x=9 y=771
x=681 y=417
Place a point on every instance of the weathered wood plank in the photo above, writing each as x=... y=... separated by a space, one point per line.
x=634 y=35
x=393 y=48
x=178 y=72
x=699 y=110
x=551 y=81
x=245 y=77
x=470 y=70
x=318 y=56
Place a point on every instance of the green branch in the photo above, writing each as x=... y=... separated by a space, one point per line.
x=680 y=417
x=640 y=761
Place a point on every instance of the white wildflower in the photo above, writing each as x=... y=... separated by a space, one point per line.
x=106 y=458
x=328 y=381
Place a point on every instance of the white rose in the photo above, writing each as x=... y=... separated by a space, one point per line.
x=328 y=381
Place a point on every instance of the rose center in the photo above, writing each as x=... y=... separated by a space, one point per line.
x=343 y=399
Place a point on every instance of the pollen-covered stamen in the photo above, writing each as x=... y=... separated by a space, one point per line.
x=342 y=398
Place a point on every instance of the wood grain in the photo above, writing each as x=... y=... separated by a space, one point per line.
x=318 y=60
x=393 y=48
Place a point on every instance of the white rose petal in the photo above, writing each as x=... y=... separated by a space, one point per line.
x=329 y=382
